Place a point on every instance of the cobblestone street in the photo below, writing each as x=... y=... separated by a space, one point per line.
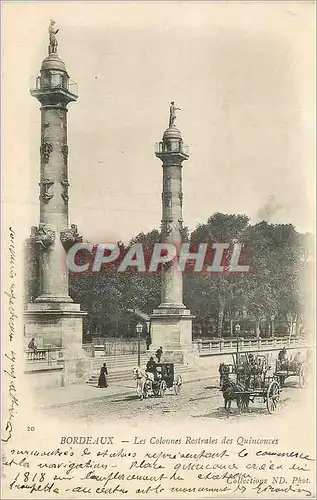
x=197 y=400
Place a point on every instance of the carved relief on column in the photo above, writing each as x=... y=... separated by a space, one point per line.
x=45 y=186
x=65 y=184
x=180 y=227
x=65 y=153
x=70 y=236
x=46 y=125
x=42 y=236
x=166 y=230
x=181 y=199
x=166 y=178
x=183 y=231
x=46 y=149
x=167 y=198
x=166 y=227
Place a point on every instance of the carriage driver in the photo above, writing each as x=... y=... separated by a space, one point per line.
x=151 y=368
x=282 y=355
x=282 y=359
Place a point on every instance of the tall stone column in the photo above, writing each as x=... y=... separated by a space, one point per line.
x=53 y=319
x=172 y=196
x=54 y=179
x=171 y=322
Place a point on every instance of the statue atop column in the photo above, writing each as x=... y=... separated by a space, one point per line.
x=173 y=110
x=52 y=48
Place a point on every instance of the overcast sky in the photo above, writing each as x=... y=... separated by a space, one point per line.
x=242 y=74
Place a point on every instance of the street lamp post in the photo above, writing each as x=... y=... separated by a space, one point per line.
x=139 y=329
x=237 y=329
x=272 y=325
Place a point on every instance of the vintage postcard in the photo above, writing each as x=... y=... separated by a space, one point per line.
x=158 y=250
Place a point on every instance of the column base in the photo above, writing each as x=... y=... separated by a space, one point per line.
x=59 y=325
x=171 y=329
x=53 y=298
x=169 y=306
x=77 y=370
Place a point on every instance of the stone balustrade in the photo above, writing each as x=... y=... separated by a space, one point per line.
x=208 y=347
x=45 y=356
x=217 y=345
x=112 y=347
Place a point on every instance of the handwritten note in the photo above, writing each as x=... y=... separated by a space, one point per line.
x=9 y=364
x=103 y=466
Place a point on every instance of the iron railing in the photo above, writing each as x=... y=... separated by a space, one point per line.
x=38 y=84
x=176 y=147
x=113 y=348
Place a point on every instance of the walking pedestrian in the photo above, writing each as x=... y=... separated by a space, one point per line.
x=102 y=382
x=158 y=354
x=148 y=341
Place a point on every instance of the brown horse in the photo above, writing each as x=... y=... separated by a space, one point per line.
x=223 y=371
x=229 y=391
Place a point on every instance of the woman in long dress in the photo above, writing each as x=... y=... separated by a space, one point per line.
x=102 y=382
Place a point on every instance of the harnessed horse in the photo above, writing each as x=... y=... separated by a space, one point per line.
x=140 y=378
x=224 y=371
x=229 y=390
x=144 y=382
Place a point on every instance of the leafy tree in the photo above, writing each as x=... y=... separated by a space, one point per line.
x=221 y=228
x=274 y=287
x=148 y=239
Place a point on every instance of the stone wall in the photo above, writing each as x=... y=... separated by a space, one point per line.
x=45 y=378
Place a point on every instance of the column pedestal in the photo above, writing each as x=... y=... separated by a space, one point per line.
x=171 y=328
x=59 y=324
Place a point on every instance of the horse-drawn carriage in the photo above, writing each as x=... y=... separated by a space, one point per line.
x=248 y=379
x=156 y=384
x=296 y=367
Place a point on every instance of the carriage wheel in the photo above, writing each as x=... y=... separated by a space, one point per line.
x=272 y=396
x=303 y=376
x=163 y=387
x=156 y=389
x=178 y=385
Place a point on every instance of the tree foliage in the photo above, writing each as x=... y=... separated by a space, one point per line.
x=273 y=289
